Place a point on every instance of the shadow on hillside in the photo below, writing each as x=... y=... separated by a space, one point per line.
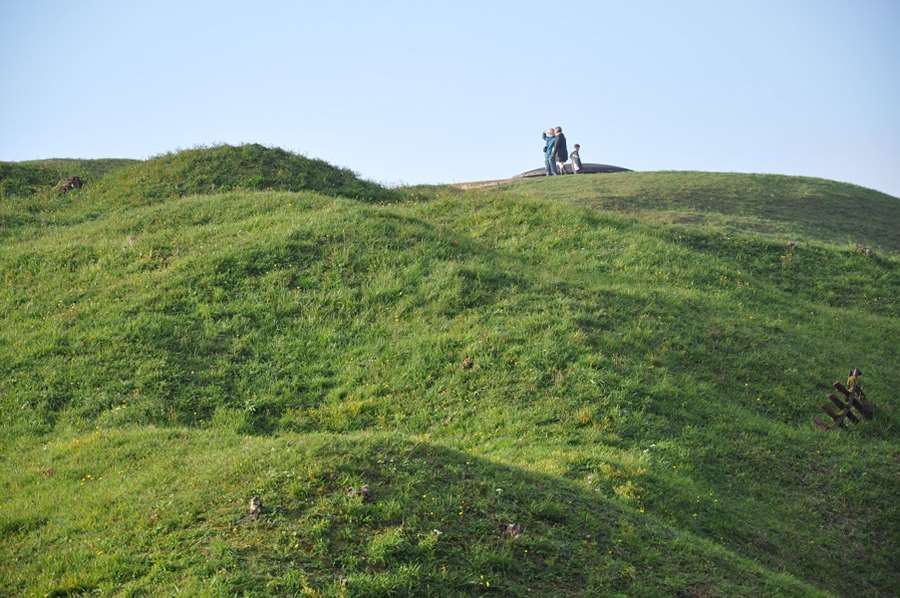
x=438 y=522
x=839 y=278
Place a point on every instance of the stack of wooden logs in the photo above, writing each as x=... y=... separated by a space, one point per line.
x=853 y=407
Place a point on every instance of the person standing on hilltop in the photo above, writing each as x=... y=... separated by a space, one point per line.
x=576 y=159
x=550 y=151
x=562 y=152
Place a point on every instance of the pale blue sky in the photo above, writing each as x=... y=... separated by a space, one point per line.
x=450 y=91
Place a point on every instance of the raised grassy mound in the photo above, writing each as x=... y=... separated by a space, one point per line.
x=227 y=168
x=555 y=386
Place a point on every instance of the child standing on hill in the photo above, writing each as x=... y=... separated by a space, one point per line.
x=576 y=159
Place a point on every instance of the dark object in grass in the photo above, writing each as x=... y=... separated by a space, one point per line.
x=467 y=363
x=73 y=182
x=841 y=411
x=865 y=408
x=361 y=492
x=510 y=530
x=253 y=512
x=856 y=397
x=834 y=413
x=255 y=507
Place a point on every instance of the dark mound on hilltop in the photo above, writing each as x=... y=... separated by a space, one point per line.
x=226 y=168
x=588 y=168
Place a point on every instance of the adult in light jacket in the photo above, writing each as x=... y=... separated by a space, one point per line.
x=550 y=151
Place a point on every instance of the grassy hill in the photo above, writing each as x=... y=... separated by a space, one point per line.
x=782 y=207
x=647 y=351
x=226 y=168
x=24 y=179
x=27 y=195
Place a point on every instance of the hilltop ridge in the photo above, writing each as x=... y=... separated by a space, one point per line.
x=201 y=170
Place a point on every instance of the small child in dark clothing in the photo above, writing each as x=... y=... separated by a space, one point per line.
x=576 y=159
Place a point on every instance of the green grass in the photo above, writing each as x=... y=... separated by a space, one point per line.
x=639 y=401
x=23 y=179
x=226 y=168
x=431 y=528
x=785 y=207
x=27 y=196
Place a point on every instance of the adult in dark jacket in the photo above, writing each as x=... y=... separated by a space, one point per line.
x=561 y=151
x=550 y=151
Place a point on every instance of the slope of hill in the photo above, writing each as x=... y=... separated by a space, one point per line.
x=637 y=396
x=121 y=184
x=775 y=205
x=23 y=179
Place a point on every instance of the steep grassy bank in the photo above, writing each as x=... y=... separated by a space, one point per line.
x=639 y=396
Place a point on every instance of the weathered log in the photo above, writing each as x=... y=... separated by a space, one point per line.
x=865 y=408
x=842 y=389
x=837 y=416
x=838 y=403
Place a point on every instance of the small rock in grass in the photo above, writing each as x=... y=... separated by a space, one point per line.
x=510 y=530
x=255 y=507
x=253 y=513
x=362 y=492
